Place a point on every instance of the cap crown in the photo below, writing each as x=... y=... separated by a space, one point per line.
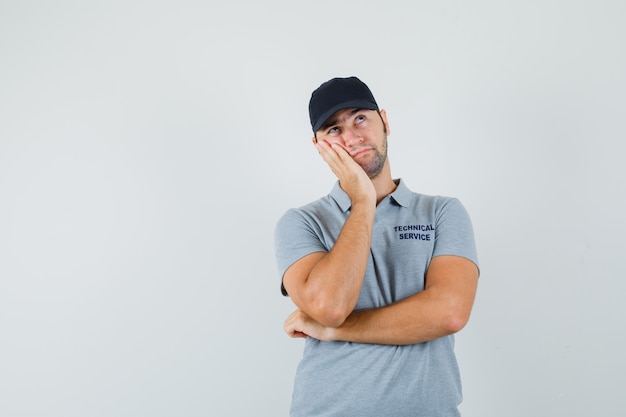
x=338 y=94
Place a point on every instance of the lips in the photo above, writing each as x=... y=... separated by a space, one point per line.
x=359 y=152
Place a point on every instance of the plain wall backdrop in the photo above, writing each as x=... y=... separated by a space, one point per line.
x=147 y=150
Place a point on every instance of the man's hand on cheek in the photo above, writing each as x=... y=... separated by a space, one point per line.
x=353 y=179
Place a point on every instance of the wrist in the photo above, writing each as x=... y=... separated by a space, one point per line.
x=330 y=334
x=363 y=203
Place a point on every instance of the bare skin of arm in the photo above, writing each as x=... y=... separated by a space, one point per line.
x=326 y=285
x=441 y=309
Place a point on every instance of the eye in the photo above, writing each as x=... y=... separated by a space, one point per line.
x=360 y=118
x=333 y=130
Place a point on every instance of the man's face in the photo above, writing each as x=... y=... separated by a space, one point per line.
x=362 y=133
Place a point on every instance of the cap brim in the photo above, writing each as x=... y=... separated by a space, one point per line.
x=359 y=104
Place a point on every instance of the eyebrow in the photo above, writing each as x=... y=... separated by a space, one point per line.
x=332 y=122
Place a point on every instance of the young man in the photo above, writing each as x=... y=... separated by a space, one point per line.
x=382 y=276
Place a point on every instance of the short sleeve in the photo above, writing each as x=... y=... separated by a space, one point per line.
x=454 y=232
x=296 y=235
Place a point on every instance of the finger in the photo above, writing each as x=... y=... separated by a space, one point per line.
x=329 y=155
x=337 y=158
x=324 y=148
x=291 y=328
x=333 y=149
x=341 y=151
x=291 y=324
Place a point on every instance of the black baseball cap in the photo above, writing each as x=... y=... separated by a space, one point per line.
x=338 y=94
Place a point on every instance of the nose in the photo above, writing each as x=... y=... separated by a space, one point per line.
x=351 y=137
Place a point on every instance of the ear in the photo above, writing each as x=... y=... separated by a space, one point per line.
x=314 y=140
x=383 y=116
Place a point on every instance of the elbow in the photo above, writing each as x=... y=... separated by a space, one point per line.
x=331 y=322
x=326 y=308
x=331 y=318
x=329 y=315
x=455 y=321
x=455 y=313
x=455 y=324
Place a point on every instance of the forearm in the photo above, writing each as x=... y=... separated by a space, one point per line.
x=332 y=288
x=413 y=320
x=409 y=321
x=326 y=285
x=443 y=308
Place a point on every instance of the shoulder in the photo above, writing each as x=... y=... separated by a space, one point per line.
x=408 y=198
x=439 y=208
x=324 y=208
x=434 y=203
x=308 y=211
x=309 y=217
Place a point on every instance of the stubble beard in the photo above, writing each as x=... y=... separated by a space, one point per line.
x=374 y=165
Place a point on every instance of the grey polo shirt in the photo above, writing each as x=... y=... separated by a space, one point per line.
x=343 y=378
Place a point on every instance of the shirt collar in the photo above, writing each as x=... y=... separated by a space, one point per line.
x=401 y=195
x=340 y=197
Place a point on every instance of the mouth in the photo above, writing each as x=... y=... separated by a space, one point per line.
x=360 y=152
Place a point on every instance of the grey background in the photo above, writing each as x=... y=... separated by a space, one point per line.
x=148 y=148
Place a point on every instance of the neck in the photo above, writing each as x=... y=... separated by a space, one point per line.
x=383 y=183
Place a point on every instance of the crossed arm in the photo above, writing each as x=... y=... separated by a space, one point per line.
x=441 y=309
